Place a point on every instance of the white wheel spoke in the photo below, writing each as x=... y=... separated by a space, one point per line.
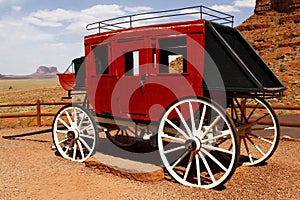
x=81 y=120
x=69 y=117
x=183 y=121
x=247 y=150
x=86 y=128
x=198 y=169
x=64 y=140
x=177 y=128
x=180 y=159
x=201 y=119
x=80 y=149
x=86 y=136
x=74 y=151
x=75 y=116
x=62 y=131
x=174 y=149
x=210 y=127
x=209 y=147
x=261 y=138
x=188 y=167
x=223 y=135
x=85 y=144
x=214 y=159
x=64 y=123
x=207 y=167
x=256 y=146
x=192 y=118
x=173 y=138
x=264 y=128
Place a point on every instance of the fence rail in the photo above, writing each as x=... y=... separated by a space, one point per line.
x=39 y=114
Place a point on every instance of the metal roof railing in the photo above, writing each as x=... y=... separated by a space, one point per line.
x=128 y=21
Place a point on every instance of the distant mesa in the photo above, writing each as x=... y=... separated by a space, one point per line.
x=43 y=70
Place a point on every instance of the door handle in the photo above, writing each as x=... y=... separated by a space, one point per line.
x=143 y=80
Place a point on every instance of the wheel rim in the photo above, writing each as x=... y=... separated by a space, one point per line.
x=258 y=129
x=74 y=133
x=194 y=148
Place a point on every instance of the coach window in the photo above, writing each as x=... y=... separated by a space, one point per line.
x=172 y=54
x=101 y=58
x=132 y=63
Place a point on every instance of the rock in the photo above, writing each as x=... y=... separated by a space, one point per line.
x=126 y=168
x=43 y=70
x=274 y=32
x=285 y=6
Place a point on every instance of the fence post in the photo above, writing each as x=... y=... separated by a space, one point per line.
x=38 y=112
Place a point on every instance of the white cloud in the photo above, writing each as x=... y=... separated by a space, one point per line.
x=24 y=47
x=53 y=18
x=16 y=8
x=225 y=8
x=12 y=30
x=244 y=3
x=137 y=9
x=102 y=11
x=74 y=21
x=48 y=37
x=235 y=6
x=186 y=11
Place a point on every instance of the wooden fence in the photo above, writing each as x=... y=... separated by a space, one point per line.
x=39 y=114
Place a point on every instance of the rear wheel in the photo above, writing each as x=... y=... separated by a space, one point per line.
x=258 y=129
x=74 y=133
x=197 y=143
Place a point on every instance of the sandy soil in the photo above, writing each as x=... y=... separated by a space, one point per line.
x=31 y=170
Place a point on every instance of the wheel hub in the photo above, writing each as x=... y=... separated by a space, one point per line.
x=193 y=144
x=71 y=135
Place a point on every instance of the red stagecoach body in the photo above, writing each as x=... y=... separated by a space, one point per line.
x=136 y=76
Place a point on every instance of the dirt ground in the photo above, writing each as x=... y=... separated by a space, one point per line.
x=31 y=170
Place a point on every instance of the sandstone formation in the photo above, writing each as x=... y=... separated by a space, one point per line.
x=284 y=6
x=274 y=32
x=42 y=70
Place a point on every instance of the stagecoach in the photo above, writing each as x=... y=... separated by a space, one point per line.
x=195 y=89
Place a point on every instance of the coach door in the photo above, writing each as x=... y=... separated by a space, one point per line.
x=131 y=66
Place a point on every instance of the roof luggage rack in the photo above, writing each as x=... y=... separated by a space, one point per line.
x=130 y=21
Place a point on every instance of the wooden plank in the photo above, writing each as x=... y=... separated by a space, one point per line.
x=15 y=115
x=17 y=104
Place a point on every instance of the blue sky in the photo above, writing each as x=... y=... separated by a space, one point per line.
x=50 y=33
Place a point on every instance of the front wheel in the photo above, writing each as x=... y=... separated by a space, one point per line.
x=197 y=143
x=74 y=133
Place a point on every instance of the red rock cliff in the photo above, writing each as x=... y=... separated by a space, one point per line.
x=285 y=6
